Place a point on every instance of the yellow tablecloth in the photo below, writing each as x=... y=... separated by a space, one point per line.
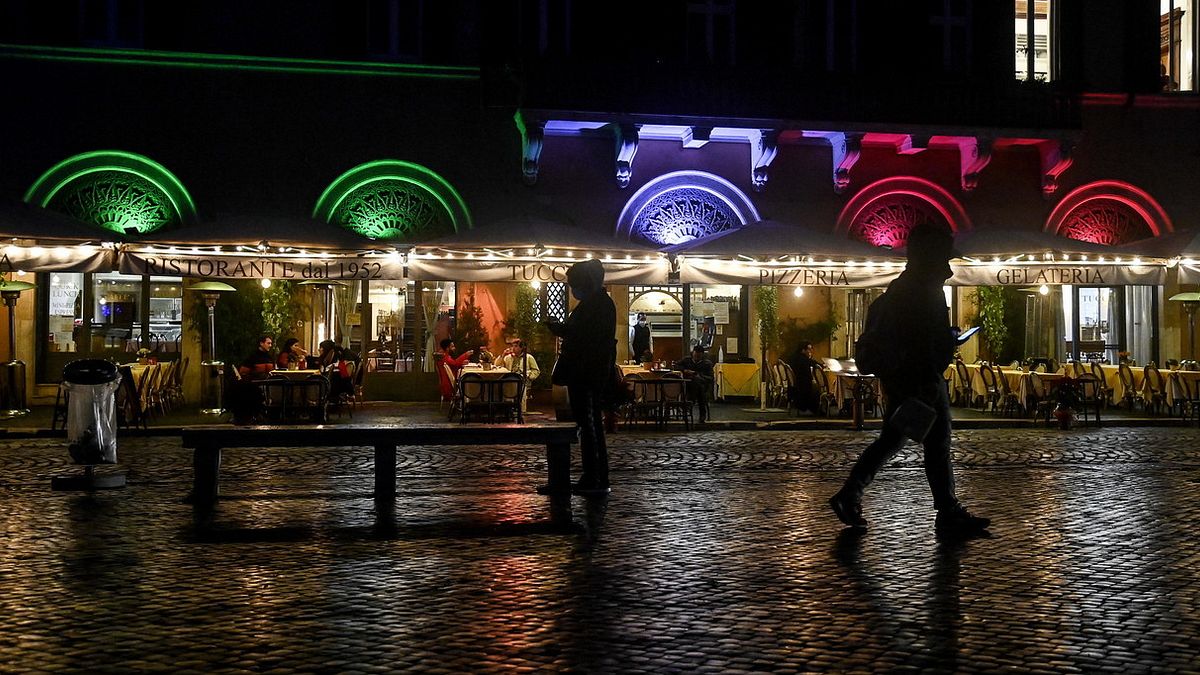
x=735 y=379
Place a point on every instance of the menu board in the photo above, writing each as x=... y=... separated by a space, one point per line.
x=721 y=312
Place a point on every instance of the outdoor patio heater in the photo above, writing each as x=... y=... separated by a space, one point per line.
x=213 y=385
x=1190 y=302
x=12 y=372
x=326 y=287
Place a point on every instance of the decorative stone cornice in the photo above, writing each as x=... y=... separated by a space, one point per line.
x=764 y=146
x=531 y=151
x=627 y=145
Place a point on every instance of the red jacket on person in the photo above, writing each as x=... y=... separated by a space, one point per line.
x=445 y=384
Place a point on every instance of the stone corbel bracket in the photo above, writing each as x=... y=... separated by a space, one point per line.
x=846 y=149
x=1056 y=159
x=532 y=136
x=626 y=136
x=764 y=146
x=974 y=154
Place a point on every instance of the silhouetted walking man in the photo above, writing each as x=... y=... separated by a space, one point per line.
x=912 y=315
x=585 y=365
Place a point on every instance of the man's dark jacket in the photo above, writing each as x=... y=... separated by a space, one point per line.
x=916 y=318
x=589 y=347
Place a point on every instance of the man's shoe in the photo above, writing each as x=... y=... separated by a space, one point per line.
x=959 y=519
x=590 y=488
x=849 y=512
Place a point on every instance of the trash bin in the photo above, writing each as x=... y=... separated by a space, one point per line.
x=92 y=410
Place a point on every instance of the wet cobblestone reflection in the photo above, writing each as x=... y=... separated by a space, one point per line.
x=715 y=553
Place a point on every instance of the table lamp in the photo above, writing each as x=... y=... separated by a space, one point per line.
x=12 y=373
x=1190 y=302
x=210 y=291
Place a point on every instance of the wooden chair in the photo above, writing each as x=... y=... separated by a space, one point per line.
x=674 y=400
x=358 y=381
x=62 y=400
x=1010 y=402
x=964 y=395
x=825 y=398
x=1091 y=396
x=1154 y=397
x=1106 y=391
x=1041 y=404
x=314 y=397
x=1129 y=390
x=506 y=394
x=455 y=393
x=991 y=389
x=475 y=397
x=276 y=390
x=645 y=403
x=1191 y=404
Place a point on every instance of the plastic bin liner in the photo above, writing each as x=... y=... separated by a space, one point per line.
x=92 y=411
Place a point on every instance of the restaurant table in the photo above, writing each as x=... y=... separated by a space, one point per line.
x=843 y=384
x=490 y=374
x=628 y=368
x=294 y=394
x=735 y=379
x=295 y=374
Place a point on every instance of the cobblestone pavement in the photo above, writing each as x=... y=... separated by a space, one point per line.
x=715 y=553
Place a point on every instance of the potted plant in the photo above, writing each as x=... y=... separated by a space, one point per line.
x=1066 y=397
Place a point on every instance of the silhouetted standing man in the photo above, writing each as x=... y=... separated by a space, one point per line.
x=585 y=365
x=913 y=316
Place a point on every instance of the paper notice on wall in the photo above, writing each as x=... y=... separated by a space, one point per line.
x=706 y=308
x=62 y=299
x=731 y=345
x=720 y=330
x=721 y=312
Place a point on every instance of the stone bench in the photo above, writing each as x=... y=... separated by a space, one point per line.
x=207 y=443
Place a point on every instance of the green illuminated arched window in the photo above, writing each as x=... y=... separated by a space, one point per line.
x=391 y=200
x=116 y=190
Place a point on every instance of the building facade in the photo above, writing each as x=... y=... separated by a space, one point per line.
x=444 y=160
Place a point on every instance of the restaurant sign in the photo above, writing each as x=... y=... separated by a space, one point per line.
x=706 y=271
x=1057 y=275
x=245 y=267
x=55 y=259
x=466 y=269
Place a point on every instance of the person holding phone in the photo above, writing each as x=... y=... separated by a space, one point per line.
x=911 y=319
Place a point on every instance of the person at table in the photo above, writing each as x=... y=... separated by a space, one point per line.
x=641 y=343
x=522 y=362
x=804 y=393
x=914 y=343
x=448 y=358
x=585 y=367
x=698 y=368
x=259 y=363
x=292 y=352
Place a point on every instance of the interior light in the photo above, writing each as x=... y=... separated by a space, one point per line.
x=103 y=300
x=535 y=284
x=1044 y=289
x=20 y=273
x=266 y=283
x=798 y=291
